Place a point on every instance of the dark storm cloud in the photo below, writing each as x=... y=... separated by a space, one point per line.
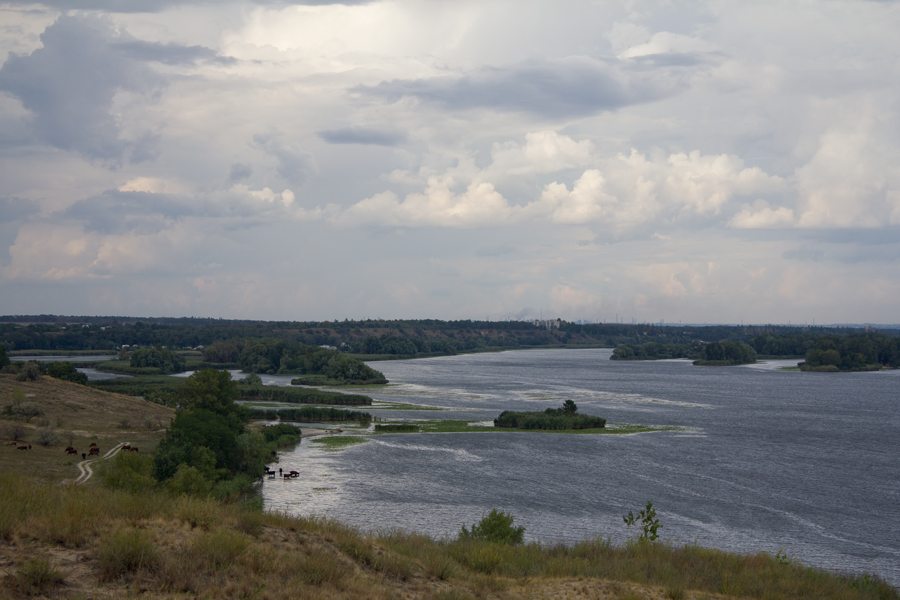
x=362 y=135
x=69 y=84
x=115 y=212
x=152 y=6
x=569 y=87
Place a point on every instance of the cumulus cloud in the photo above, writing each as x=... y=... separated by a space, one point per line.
x=850 y=179
x=543 y=152
x=619 y=193
x=438 y=205
x=574 y=86
x=760 y=215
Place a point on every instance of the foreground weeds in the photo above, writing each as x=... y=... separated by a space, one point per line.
x=83 y=542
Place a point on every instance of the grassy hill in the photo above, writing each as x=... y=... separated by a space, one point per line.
x=89 y=541
x=77 y=415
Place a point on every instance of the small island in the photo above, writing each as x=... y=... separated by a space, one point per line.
x=553 y=419
x=712 y=354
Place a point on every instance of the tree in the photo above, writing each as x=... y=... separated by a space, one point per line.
x=496 y=527
x=67 y=372
x=649 y=523
x=4 y=360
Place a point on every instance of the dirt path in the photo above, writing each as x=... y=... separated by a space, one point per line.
x=85 y=466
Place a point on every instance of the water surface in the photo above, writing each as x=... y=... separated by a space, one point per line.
x=768 y=460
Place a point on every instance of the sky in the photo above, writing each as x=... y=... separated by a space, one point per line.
x=703 y=162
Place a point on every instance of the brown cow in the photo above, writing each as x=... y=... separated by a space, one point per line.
x=13 y=443
x=93 y=444
x=295 y=474
x=133 y=449
x=126 y=447
x=94 y=451
x=69 y=448
x=71 y=451
x=287 y=476
x=28 y=447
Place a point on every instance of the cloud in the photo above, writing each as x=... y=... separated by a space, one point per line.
x=116 y=212
x=239 y=172
x=760 y=215
x=543 y=152
x=152 y=6
x=14 y=209
x=620 y=194
x=852 y=178
x=69 y=85
x=362 y=135
x=569 y=87
x=437 y=205
x=144 y=206
x=294 y=164
x=168 y=54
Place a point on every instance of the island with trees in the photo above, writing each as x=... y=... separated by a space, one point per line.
x=713 y=354
x=552 y=419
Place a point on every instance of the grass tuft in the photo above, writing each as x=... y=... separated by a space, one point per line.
x=127 y=552
x=36 y=577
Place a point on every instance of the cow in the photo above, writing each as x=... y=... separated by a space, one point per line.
x=126 y=447
x=287 y=476
x=28 y=447
x=133 y=449
x=295 y=474
x=71 y=451
x=94 y=451
x=93 y=444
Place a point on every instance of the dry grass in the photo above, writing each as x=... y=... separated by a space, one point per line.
x=72 y=541
x=78 y=415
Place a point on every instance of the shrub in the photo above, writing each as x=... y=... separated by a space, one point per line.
x=37 y=576
x=188 y=480
x=128 y=471
x=47 y=436
x=14 y=431
x=30 y=371
x=127 y=552
x=497 y=527
x=649 y=523
x=66 y=371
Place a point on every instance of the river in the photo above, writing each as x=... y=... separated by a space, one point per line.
x=804 y=463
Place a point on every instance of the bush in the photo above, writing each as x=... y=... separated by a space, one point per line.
x=14 y=431
x=30 y=371
x=67 y=372
x=37 y=577
x=496 y=527
x=47 y=436
x=127 y=552
x=128 y=471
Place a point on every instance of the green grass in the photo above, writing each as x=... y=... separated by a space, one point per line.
x=335 y=443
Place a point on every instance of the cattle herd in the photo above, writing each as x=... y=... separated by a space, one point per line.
x=284 y=475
